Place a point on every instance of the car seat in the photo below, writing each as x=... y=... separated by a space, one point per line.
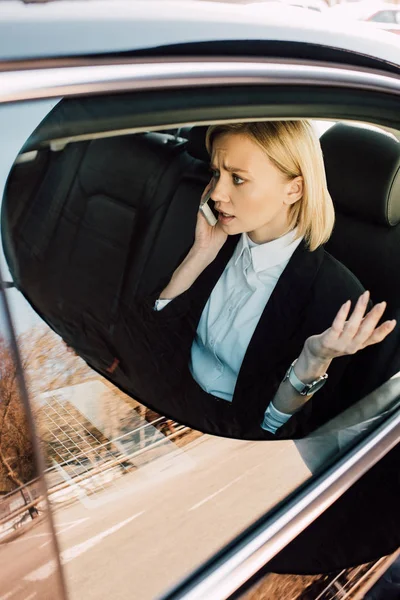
x=89 y=228
x=363 y=174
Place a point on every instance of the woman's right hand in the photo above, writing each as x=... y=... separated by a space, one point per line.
x=208 y=242
x=208 y=239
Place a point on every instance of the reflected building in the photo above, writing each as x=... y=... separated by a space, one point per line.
x=92 y=429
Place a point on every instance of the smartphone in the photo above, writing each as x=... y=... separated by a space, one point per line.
x=206 y=209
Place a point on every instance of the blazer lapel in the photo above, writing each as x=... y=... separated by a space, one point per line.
x=280 y=320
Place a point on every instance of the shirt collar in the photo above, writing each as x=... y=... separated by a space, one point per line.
x=270 y=254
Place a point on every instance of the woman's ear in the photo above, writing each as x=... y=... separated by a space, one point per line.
x=295 y=190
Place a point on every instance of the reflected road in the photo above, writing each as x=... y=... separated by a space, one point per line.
x=155 y=524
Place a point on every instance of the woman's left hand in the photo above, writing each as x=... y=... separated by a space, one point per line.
x=349 y=336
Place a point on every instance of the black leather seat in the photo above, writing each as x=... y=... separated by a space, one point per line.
x=89 y=228
x=362 y=167
x=363 y=174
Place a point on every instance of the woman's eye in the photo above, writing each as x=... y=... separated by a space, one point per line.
x=237 y=180
x=215 y=174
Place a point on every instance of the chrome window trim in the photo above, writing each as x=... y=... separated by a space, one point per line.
x=35 y=83
x=221 y=579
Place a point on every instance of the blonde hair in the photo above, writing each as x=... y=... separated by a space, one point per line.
x=293 y=147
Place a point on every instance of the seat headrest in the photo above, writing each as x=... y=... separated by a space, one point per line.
x=363 y=172
x=196 y=146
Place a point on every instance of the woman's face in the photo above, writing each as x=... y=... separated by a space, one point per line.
x=250 y=193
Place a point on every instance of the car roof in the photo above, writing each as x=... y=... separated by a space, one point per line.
x=70 y=28
x=262 y=5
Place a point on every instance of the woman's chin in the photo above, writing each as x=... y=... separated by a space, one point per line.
x=231 y=227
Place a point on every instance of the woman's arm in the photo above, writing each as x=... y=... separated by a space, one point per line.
x=186 y=274
x=344 y=337
x=207 y=243
x=307 y=368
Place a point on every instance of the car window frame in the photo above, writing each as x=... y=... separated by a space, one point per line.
x=234 y=566
x=8 y=326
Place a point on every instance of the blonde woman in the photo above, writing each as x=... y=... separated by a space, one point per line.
x=258 y=324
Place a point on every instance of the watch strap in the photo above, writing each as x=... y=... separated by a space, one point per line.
x=304 y=389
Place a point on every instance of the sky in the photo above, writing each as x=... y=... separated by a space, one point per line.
x=17 y=122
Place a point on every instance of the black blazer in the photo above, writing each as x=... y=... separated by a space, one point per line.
x=304 y=302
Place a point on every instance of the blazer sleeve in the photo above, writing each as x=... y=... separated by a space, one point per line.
x=351 y=379
x=160 y=342
x=334 y=286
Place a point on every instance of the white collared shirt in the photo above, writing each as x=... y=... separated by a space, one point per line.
x=232 y=312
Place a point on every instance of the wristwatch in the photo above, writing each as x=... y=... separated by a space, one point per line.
x=304 y=389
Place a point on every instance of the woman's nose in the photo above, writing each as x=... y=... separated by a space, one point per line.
x=219 y=194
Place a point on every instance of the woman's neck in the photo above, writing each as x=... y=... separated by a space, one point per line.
x=262 y=236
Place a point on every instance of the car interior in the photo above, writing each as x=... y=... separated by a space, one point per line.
x=90 y=225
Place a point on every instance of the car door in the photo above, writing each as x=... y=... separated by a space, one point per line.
x=142 y=500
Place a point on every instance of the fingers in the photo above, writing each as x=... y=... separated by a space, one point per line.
x=340 y=319
x=200 y=217
x=361 y=331
x=358 y=332
x=379 y=334
x=352 y=326
x=369 y=323
x=206 y=190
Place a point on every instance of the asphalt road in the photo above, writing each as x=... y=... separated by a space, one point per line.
x=154 y=525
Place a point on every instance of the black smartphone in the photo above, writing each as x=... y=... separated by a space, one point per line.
x=207 y=210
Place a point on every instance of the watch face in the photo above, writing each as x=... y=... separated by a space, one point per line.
x=316 y=386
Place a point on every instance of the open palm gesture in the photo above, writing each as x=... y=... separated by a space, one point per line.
x=348 y=336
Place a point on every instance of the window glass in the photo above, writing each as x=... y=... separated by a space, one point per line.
x=27 y=545
x=92 y=223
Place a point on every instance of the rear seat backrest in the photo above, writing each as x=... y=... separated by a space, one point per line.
x=363 y=174
x=362 y=167
x=76 y=241
x=176 y=234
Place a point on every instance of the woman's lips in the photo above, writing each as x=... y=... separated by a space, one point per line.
x=224 y=219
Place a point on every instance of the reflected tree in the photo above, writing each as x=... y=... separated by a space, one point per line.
x=17 y=464
x=47 y=363
x=50 y=366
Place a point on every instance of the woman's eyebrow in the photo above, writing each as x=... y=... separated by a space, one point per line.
x=230 y=169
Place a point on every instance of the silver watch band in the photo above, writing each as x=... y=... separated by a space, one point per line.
x=304 y=389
